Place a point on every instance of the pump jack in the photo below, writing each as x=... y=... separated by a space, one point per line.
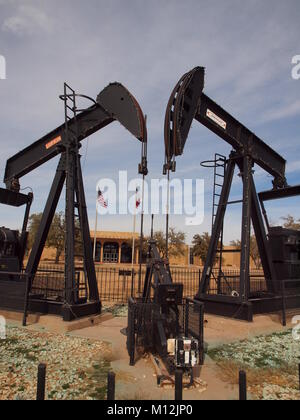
x=162 y=322
x=279 y=249
x=114 y=103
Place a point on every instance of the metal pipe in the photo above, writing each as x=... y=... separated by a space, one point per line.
x=243 y=385
x=111 y=386
x=41 y=382
x=178 y=385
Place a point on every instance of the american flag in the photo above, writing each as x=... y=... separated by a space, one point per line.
x=101 y=201
x=138 y=199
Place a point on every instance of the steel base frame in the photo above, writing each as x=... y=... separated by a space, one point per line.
x=244 y=306
x=245 y=311
x=46 y=307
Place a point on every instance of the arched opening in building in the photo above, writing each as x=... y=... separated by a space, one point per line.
x=126 y=253
x=111 y=252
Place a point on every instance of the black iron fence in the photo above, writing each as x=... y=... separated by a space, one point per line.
x=49 y=283
x=227 y=282
x=118 y=284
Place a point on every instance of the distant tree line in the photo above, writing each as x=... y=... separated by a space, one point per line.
x=177 y=239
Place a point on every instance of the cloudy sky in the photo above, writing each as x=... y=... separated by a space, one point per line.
x=246 y=47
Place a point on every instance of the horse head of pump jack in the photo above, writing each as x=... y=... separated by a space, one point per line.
x=181 y=110
x=188 y=102
x=123 y=107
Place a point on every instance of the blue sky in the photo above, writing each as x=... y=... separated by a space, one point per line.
x=246 y=47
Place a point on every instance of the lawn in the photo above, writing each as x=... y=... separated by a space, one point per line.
x=271 y=363
x=76 y=368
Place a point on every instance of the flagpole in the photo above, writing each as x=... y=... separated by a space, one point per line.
x=134 y=230
x=141 y=238
x=95 y=233
x=168 y=216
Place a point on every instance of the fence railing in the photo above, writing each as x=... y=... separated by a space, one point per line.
x=118 y=284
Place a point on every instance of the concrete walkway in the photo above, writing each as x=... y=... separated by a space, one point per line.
x=139 y=382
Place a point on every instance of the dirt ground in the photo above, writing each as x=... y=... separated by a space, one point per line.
x=139 y=382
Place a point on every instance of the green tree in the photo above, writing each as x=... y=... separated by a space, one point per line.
x=200 y=246
x=176 y=243
x=254 y=252
x=56 y=236
x=291 y=223
x=34 y=223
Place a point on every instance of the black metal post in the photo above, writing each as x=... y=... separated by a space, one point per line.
x=111 y=386
x=201 y=333
x=24 y=229
x=69 y=227
x=178 y=385
x=28 y=282
x=48 y=214
x=246 y=228
x=85 y=230
x=168 y=216
x=152 y=226
x=41 y=382
x=141 y=241
x=243 y=385
x=299 y=375
x=186 y=318
x=132 y=282
x=262 y=239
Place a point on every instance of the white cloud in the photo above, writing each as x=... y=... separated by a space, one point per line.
x=27 y=20
x=281 y=112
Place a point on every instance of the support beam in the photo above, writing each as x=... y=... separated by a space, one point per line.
x=220 y=122
x=51 y=144
x=262 y=240
x=47 y=218
x=86 y=239
x=246 y=230
x=70 y=228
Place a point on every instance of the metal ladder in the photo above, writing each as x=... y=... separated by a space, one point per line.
x=71 y=110
x=219 y=176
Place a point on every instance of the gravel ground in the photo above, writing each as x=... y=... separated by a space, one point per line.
x=76 y=368
x=118 y=310
x=271 y=363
